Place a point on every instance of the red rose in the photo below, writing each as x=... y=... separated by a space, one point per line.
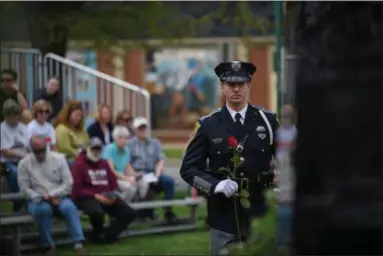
x=232 y=141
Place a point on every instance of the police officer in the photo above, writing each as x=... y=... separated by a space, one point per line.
x=254 y=128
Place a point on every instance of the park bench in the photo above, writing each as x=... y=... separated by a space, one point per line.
x=30 y=240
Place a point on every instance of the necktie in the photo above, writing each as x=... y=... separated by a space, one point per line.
x=238 y=126
x=238 y=119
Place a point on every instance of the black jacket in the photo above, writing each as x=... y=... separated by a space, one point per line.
x=94 y=130
x=211 y=142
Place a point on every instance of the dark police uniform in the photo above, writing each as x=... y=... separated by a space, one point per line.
x=210 y=142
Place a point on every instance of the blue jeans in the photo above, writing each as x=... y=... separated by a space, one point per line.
x=12 y=168
x=70 y=163
x=166 y=183
x=43 y=212
x=284 y=229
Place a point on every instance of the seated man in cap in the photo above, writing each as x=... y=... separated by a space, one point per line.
x=148 y=157
x=95 y=192
x=45 y=179
x=14 y=143
x=118 y=156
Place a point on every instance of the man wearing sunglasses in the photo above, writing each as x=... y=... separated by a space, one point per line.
x=45 y=179
x=8 y=90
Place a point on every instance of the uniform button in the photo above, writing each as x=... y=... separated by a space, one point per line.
x=263 y=150
x=218 y=152
x=241 y=174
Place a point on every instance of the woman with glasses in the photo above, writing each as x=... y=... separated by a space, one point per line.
x=40 y=126
x=124 y=118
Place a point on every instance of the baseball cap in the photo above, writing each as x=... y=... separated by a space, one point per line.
x=95 y=143
x=10 y=106
x=140 y=121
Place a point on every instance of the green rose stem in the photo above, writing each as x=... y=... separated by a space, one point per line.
x=232 y=175
x=236 y=161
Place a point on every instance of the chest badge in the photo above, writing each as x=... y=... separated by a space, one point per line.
x=261 y=132
x=217 y=140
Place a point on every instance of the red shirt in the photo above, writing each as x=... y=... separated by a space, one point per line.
x=90 y=178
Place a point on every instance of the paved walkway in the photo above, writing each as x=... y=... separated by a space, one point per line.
x=172 y=168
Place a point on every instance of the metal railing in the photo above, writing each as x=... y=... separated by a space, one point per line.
x=107 y=89
x=78 y=81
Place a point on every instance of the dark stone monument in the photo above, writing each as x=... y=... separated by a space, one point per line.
x=339 y=148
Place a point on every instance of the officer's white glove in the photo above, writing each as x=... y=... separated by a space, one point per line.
x=227 y=187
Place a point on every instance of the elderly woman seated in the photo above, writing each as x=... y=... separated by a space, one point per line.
x=14 y=143
x=118 y=156
x=40 y=126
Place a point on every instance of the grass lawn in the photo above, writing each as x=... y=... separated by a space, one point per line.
x=181 y=243
x=192 y=243
x=173 y=153
x=196 y=242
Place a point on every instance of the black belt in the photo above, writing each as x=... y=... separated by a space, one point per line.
x=263 y=179
x=246 y=184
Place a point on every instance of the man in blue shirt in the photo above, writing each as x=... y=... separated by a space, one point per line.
x=147 y=156
x=118 y=156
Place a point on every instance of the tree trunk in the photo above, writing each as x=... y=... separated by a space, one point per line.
x=339 y=149
x=47 y=28
x=48 y=34
x=45 y=31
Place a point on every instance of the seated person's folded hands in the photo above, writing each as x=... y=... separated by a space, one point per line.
x=103 y=199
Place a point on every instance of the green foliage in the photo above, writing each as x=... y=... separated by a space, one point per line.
x=160 y=20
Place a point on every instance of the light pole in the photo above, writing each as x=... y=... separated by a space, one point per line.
x=278 y=14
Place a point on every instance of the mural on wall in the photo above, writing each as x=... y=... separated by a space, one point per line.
x=183 y=85
x=84 y=86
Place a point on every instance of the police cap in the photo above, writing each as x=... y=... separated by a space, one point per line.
x=235 y=71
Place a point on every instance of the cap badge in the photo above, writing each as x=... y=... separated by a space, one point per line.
x=236 y=65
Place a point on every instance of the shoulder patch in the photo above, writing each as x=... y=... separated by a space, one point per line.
x=209 y=115
x=196 y=127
